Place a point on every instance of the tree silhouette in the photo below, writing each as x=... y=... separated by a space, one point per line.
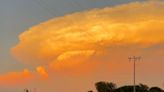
x=111 y=87
x=143 y=88
x=155 y=89
x=105 y=86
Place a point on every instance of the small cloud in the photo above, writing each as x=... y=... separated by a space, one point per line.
x=16 y=78
x=42 y=71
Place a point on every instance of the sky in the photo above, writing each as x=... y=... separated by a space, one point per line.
x=68 y=45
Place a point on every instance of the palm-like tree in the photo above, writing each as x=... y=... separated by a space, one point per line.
x=143 y=88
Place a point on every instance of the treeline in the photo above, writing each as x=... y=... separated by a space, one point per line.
x=112 y=87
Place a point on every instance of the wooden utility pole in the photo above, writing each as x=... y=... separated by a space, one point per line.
x=134 y=59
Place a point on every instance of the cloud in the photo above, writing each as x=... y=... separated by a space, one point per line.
x=16 y=78
x=24 y=77
x=71 y=54
x=42 y=71
x=82 y=37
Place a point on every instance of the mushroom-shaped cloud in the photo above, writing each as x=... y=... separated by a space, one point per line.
x=76 y=38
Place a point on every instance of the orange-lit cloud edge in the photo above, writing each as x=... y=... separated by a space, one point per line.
x=74 y=41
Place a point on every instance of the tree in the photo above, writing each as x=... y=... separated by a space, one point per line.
x=155 y=89
x=143 y=88
x=105 y=86
x=111 y=87
x=125 y=89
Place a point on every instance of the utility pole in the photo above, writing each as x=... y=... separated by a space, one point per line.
x=134 y=59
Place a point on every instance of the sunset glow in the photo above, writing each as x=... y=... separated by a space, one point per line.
x=92 y=45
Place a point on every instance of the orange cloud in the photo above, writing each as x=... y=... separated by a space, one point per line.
x=41 y=70
x=24 y=77
x=77 y=38
x=16 y=78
